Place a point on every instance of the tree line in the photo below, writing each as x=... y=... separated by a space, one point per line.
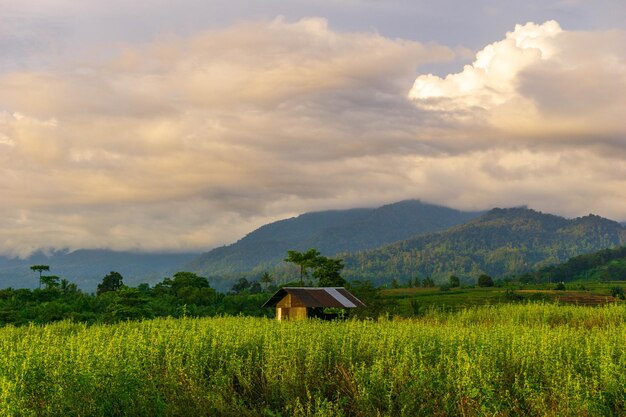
x=182 y=294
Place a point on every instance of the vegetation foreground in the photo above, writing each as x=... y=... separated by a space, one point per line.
x=533 y=359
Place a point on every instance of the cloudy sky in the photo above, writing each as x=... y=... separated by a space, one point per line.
x=181 y=125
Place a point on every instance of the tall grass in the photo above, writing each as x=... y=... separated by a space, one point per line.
x=503 y=360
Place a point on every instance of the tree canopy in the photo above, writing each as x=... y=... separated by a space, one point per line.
x=40 y=269
x=305 y=260
x=326 y=271
x=111 y=282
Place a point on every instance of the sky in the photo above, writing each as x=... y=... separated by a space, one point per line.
x=174 y=126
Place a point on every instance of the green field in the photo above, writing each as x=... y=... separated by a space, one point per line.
x=531 y=359
x=415 y=301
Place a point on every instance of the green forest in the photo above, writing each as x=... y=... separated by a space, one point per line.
x=184 y=294
x=604 y=265
x=502 y=243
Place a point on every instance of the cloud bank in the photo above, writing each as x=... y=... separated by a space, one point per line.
x=539 y=83
x=188 y=142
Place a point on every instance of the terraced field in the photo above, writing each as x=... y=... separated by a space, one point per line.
x=422 y=299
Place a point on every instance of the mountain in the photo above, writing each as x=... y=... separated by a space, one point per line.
x=86 y=268
x=604 y=265
x=330 y=232
x=502 y=242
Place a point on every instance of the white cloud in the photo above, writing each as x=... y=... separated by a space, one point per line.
x=491 y=80
x=539 y=84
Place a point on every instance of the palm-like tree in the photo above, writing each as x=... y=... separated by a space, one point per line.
x=40 y=269
x=305 y=260
x=266 y=279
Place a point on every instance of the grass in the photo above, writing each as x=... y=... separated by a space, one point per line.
x=531 y=359
x=583 y=292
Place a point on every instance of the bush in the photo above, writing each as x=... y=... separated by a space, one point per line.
x=485 y=281
x=618 y=292
x=416 y=308
x=454 y=281
x=511 y=295
x=560 y=286
x=428 y=283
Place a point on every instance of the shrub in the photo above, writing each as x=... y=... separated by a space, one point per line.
x=454 y=281
x=485 y=281
x=511 y=295
x=416 y=308
x=428 y=283
x=618 y=292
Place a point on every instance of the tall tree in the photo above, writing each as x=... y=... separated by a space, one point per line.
x=40 y=269
x=242 y=284
x=50 y=281
x=266 y=279
x=305 y=260
x=112 y=282
x=188 y=279
x=67 y=286
x=328 y=272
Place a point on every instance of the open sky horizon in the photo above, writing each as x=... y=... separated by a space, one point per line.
x=181 y=126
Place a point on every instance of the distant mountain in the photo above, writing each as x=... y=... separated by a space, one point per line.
x=329 y=232
x=86 y=268
x=501 y=242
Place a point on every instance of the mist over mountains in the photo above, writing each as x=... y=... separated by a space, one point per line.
x=330 y=232
x=86 y=268
x=400 y=240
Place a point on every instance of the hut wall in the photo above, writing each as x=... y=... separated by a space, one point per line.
x=297 y=313
x=291 y=313
x=290 y=301
x=285 y=302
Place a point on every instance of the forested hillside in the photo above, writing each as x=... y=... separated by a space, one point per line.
x=604 y=265
x=396 y=241
x=500 y=243
x=329 y=232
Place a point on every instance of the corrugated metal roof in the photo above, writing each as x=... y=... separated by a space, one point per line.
x=338 y=296
x=317 y=297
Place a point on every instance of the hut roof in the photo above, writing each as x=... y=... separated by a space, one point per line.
x=317 y=297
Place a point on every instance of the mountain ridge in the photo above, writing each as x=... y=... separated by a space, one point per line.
x=330 y=232
x=501 y=242
x=397 y=240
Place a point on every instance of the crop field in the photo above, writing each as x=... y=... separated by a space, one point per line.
x=409 y=300
x=501 y=360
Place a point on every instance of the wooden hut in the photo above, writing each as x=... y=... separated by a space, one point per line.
x=297 y=303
